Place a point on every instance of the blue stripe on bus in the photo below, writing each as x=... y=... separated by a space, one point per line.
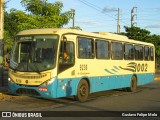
x=116 y=67
x=114 y=70
x=68 y=86
x=108 y=71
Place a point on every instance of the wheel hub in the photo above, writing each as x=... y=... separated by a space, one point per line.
x=83 y=90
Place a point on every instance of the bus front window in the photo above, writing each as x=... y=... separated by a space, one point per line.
x=34 y=53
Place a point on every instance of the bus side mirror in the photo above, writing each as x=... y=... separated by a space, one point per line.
x=64 y=39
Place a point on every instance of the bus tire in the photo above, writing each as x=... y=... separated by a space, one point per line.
x=133 y=85
x=82 y=91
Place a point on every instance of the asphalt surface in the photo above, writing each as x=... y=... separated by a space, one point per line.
x=95 y=103
x=146 y=98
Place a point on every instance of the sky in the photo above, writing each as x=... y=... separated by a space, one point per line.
x=102 y=15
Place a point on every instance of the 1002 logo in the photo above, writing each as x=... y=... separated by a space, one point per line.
x=141 y=67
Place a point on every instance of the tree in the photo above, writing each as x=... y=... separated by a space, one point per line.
x=76 y=27
x=40 y=14
x=49 y=14
x=136 y=33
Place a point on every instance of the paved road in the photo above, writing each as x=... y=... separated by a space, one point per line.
x=108 y=99
x=147 y=98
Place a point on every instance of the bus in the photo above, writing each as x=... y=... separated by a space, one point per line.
x=55 y=63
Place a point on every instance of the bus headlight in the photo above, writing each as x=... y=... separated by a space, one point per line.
x=48 y=82
x=10 y=80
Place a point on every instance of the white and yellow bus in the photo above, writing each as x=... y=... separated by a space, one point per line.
x=54 y=63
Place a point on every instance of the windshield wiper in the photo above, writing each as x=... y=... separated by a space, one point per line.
x=18 y=67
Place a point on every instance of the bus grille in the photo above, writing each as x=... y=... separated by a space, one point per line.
x=25 y=91
x=29 y=76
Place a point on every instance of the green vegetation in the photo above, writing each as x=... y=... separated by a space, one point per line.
x=39 y=14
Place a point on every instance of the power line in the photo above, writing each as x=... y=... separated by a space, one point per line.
x=95 y=7
x=90 y=4
x=141 y=12
x=98 y=9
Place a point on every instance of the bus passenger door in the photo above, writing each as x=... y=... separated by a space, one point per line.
x=66 y=69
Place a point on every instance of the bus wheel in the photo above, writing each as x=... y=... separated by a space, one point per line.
x=82 y=91
x=133 y=84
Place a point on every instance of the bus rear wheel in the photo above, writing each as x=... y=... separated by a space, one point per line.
x=82 y=91
x=133 y=85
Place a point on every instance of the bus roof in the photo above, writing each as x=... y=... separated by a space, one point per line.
x=61 y=31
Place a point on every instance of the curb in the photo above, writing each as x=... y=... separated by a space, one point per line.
x=4 y=97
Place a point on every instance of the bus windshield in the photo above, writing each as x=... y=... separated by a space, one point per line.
x=34 y=53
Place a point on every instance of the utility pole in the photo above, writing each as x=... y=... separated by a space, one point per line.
x=73 y=15
x=118 y=22
x=1 y=30
x=1 y=39
x=132 y=16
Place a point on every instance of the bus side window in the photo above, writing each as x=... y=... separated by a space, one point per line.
x=85 y=48
x=152 y=54
x=117 y=51
x=102 y=49
x=146 y=53
x=66 y=55
x=138 y=52
x=128 y=51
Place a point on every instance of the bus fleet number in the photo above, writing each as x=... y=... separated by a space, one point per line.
x=141 y=67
